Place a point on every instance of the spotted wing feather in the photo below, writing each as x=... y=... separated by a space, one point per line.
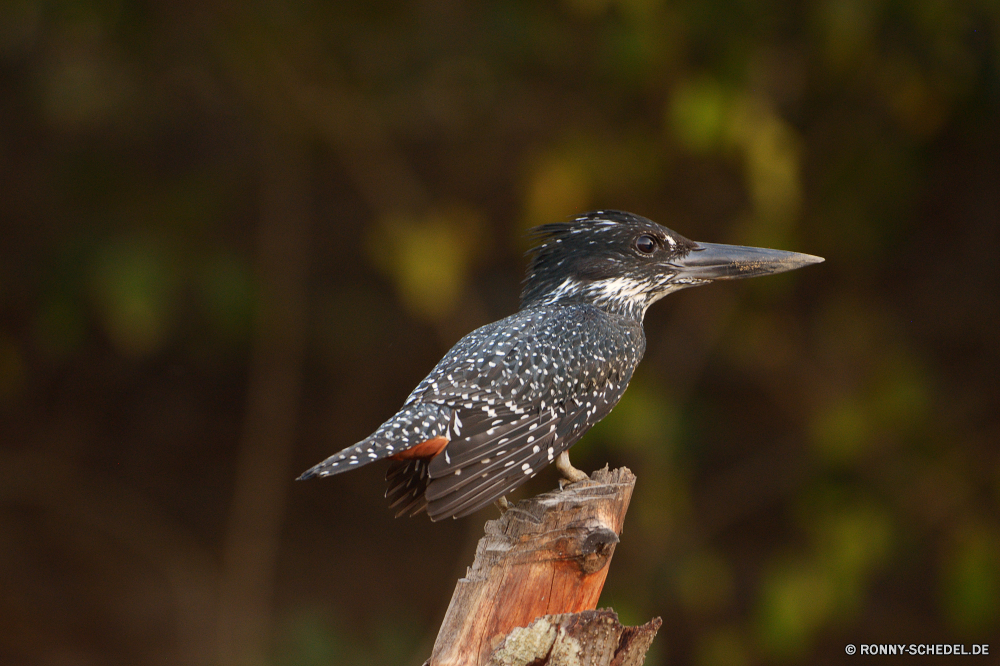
x=481 y=467
x=496 y=455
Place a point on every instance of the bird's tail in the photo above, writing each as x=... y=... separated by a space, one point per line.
x=350 y=458
x=414 y=424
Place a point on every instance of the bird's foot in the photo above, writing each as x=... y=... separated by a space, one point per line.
x=572 y=474
x=502 y=504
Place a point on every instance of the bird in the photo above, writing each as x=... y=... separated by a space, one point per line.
x=513 y=396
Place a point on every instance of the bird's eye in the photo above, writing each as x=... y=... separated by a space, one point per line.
x=645 y=244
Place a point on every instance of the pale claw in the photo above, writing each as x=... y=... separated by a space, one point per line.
x=571 y=473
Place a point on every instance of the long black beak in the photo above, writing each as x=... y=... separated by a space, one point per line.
x=711 y=261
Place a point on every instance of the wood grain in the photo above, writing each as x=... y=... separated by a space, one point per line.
x=546 y=556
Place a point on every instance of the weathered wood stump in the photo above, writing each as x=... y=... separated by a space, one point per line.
x=545 y=559
x=587 y=638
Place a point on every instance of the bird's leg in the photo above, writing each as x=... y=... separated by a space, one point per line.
x=502 y=504
x=567 y=469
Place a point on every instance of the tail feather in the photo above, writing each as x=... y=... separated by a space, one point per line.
x=352 y=457
x=408 y=481
x=413 y=424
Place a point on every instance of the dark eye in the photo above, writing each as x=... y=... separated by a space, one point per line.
x=645 y=244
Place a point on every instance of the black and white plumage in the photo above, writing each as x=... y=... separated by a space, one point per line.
x=512 y=396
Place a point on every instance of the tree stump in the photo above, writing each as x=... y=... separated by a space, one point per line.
x=587 y=638
x=545 y=559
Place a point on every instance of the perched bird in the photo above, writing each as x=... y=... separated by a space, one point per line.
x=513 y=396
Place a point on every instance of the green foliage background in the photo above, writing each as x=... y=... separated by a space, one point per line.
x=235 y=235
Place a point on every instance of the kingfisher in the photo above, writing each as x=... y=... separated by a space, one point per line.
x=511 y=397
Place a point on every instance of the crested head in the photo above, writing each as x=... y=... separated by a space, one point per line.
x=623 y=263
x=608 y=258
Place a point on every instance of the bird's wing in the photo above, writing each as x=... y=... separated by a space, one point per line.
x=521 y=391
x=495 y=454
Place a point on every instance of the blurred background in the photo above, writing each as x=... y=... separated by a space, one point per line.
x=236 y=235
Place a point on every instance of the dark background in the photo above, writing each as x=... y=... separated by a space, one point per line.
x=235 y=235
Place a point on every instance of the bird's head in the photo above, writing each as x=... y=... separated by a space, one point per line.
x=623 y=263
